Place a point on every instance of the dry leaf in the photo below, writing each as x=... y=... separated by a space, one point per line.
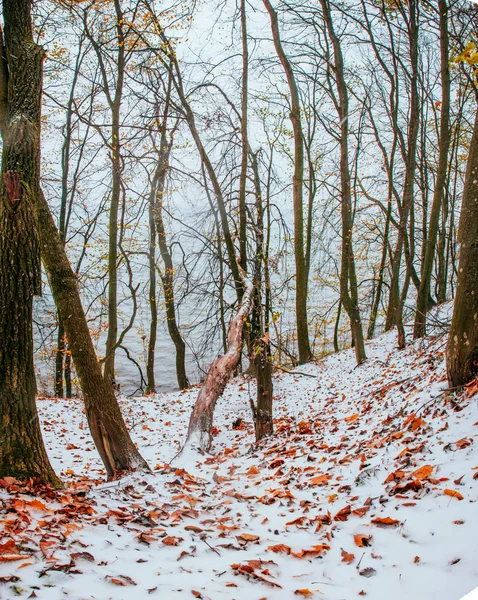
x=280 y=549
x=385 y=522
x=361 y=540
x=248 y=537
x=347 y=557
x=423 y=472
x=453 y=494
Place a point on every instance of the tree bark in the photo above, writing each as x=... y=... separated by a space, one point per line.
x=22 y=451
x=423 y=302
x=108 y=429
x=394 y=311
x=260 y=355
x=348 y=276
x=201 y=421
x=462 y=347
x=305 y=354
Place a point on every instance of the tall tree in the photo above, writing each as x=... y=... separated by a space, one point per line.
x=301 y=274
x=439 y=194
x=348 y=276
x=113 y=86
x=462 y=347
x=22 y=451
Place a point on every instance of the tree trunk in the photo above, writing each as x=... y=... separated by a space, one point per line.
x=167 y=276
x=348 y=276
x=22 y=451
x=107 y=426
x=462 y=347
x=200 y=424
x=394 y=309
x=153 y=304
x=305 y=354
x=423 y=303
x=260 y=355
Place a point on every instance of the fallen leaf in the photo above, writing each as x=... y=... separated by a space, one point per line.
x=453 y=494
x=280 y=549
x=248 y=537
x=422 y=472
x=368 y=572
x=385 y=522
x=171 y=540
x=361 y=540
x=122 y=580
x=347 y=558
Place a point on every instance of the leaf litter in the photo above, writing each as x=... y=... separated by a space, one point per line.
x=355 y=495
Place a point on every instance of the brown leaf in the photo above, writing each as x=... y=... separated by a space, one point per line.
x=319 y=480
x=422 y=472
x=171 y=540
x=347 y=558
x=304 y=592
x=453 y=494
x=248 y=537
x=280 y=549
x=314 y=551
x=122 y=580
x=368 y=572
x=82 y=556
x=343 y=514
x=361 y=540
x=386 y=522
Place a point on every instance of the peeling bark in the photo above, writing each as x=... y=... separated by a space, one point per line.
x=220 y=372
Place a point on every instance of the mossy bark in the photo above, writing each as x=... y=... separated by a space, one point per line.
x=22 y=451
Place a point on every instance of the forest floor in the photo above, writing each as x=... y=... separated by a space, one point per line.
x=368 y=489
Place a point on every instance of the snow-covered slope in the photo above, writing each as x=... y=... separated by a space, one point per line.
x=368 y=489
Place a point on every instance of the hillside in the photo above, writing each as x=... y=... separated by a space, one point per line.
x=368 y=489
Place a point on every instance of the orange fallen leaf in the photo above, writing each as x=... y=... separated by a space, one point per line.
x=453 y=494
x=351 y=418
x=422 y=472
x=385 y=522
x=343 y=514
x=280 y=549
x=314 y=551
x=248 y=537
x=171 y=540
x=362 y=540
x=319 y=480
x=122 y=580
x=12 y=557
x=304 y=592
x=347 y=557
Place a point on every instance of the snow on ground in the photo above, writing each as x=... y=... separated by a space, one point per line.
x=368 y=489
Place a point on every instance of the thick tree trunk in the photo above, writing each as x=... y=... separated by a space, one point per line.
x=305 y=354
x=423 y=302
x=107 y=426
x=200 y=424
x=22 y=452
x=462 y=348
